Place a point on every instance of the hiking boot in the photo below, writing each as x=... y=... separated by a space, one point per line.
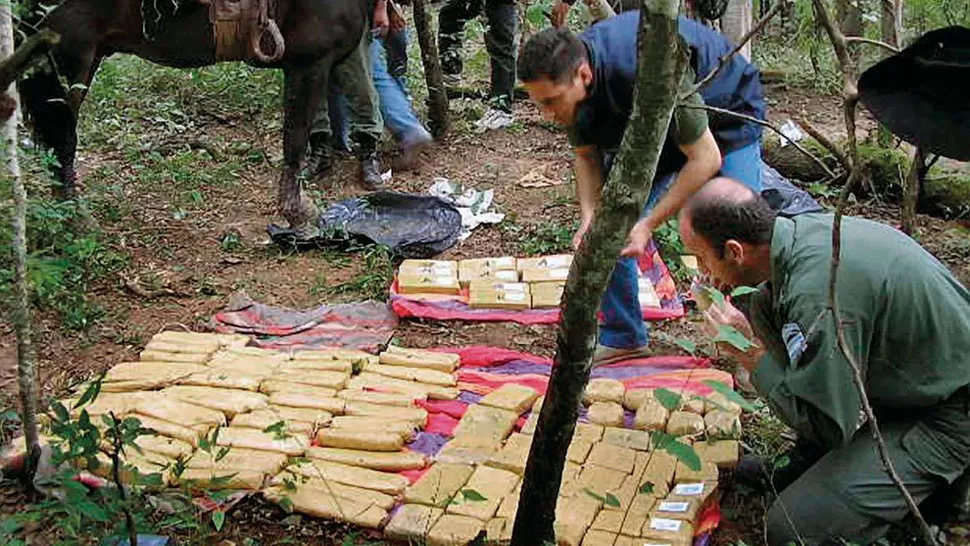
x=370 y=166
x=319 y=160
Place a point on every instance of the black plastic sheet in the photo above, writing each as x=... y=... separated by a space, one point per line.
x=412 y=226
x=783 y=196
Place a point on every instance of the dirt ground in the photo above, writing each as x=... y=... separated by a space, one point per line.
x=186 y=255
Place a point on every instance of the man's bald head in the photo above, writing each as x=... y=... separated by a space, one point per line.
x=725 y=209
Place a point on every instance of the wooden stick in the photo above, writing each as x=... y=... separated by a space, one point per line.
x=825 y=142
x=861 y=40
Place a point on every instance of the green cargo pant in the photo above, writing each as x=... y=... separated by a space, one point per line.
x=847 y=493
x=354 y=79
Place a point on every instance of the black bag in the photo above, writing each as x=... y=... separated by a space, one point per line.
x=412 y=226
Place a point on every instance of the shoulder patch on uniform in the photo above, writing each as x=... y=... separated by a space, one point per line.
x=794 y=341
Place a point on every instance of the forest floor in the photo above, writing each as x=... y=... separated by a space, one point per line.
x=180 y=168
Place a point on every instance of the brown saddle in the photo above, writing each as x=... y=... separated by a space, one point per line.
x=244 y=30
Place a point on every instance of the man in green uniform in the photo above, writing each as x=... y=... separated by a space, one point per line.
x=907 y=323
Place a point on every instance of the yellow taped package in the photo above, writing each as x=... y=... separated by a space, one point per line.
x=153 y=355
x=596 y=537
x=418 y=416
x=672 y=531
x=488 y=422
x=373 y=381
x=421 y=375
x=384 y=482
x=624 y=540
x=261 y=367
x=685 y=474
x=412 y=522
x=634 y=398
x=454 y=453
x=685 y=423
x=351 y=355
x=514 y=454
x=545 y=274
x=510 y=504
x=334 y=406
x=499 y=295
x=405 y=429
x=498 y=531
x=150 y=470
x=651 y=415
x=170 y=448
x=660 y=471
x=685 y=510
x=172 y=430
x=274 y=386
x=251 y=438
x=626 y=493
x=721 y=424
x=273 y=414
x=168 y=346
x=120 y=403
x=546 y=295
x=215 y=479
x=578 y=450
x=501 y=268
x=573 y=517
x=238 y=458
x=608 y=520
x=723 y=453
x=438 y=267
x=381 y=398
x=258 y=352
x=320 y=503
x=481 y=496
x=202 y=338
x=490 y=275
x=512 y=397
x=623 y=437
x=439 y=484
x=345 y=366
x=263 y=419
x=390 y=462
x=636 y=516
x=612 y=457
x=428 y=283
x=555 y=261
x=604 y=390
x=226 y=379
x=419 y=358
x=174 y=410
x=343 y=491
x=716 y=401
x=228 y=401
x=609 y=414
x=326 y=379
x=601 y=480
x=130 y=371
x=454 y=530
x=354 y=439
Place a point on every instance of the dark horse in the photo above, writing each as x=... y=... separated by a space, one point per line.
x=177 y=33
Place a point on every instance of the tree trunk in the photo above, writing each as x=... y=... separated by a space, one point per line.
x=850 y=22
x=892 y=22
x=661 y=63
x=736 y=23
x=437 y=94
x=26 y=372
x=911 y=192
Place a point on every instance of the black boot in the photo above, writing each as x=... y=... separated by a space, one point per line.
x=319 y=161
x=370 y=167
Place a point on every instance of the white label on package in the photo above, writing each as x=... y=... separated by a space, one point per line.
x=507 y=275
x=556 y=261
x=673 y=506
x=559 y=274
x=514 y=296
x=662 y=524
x=512 y=287
x=689 y=489
x=507 y=261
x=443 y=280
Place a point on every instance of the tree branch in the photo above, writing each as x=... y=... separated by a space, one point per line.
x=661 y=63
x=758 y=27
x=825 y=142
x=437 y=95
x=763 y=123
x=862 y=40
x=118 y=449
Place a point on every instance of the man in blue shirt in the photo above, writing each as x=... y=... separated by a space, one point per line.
x=585 y=83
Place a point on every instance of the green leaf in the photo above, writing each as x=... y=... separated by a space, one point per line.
x=731 y=335
x=219 y=481
x=286 y=504
x=589 y=492
x=154 y=479
x=222 y=453
x=472 y=495
x=715 y=294
x=278 y=430
x=60 y=412
x=611 y=500
x=90 y=393
x=743 y=291
x=685 y=454
x=686 y=345
x=668 y=399
x=646 y=488
x=730 y=394
x=218 y=519
x=782 y=462
x=92 y=511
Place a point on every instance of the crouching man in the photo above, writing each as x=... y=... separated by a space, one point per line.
x=907 y=323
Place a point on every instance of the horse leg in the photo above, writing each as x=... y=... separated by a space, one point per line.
x=303 y=88
x=54 y=110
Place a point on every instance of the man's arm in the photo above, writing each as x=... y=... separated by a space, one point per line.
x=589 y=183
x=703 y=162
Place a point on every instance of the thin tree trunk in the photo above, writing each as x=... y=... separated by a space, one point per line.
x=736 y=24
x=850 y=20
x=437 y=95
x=661 y=63
x=911 y=192
x=26 y=372
x=891 y=22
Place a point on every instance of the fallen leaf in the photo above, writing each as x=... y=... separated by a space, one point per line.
x=535 y=179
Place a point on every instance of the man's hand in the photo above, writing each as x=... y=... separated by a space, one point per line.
x=728 y=315
x=559 y=13
x=637 y=241
x=583 y=228
x=381 y=21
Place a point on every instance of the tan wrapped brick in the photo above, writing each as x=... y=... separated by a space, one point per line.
x=721 y=424
x=723 y=453
x=623 y=437
x=491 y=483
x=412 y=522
x=612 y=457
x=685 y=423
x=609 y=414
x=651 y=416
x=511 y=397
x=439 y=484
x=604 y=390
x=707 y=473
x=454 y=530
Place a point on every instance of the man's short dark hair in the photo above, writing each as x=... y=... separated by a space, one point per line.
x=553 y=53
x=719 y=219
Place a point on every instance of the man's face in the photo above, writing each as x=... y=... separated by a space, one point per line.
x=558 y=101
x=727 y=271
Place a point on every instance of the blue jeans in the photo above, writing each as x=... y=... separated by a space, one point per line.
x=395 y=104
x=623 y=326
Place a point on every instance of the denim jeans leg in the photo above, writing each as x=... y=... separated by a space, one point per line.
x=396 y=110
x=744 y=165
x=396 y=50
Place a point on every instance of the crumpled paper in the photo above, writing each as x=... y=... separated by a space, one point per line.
x=472 y=204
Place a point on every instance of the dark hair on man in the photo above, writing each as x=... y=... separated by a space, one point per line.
x=719 y=218
x=553 y=53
